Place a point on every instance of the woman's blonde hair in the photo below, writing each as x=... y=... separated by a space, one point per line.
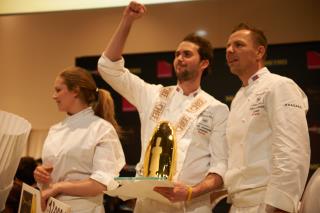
x=77 y=78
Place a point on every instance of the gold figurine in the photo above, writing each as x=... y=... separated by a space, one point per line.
x=160 y=157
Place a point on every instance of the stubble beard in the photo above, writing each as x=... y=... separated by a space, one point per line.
x=185 y=75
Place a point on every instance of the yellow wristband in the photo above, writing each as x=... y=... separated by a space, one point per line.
x=189 y=195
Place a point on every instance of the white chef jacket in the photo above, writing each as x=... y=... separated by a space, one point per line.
x=268 y=140
x=200 y=151
x=84 y=146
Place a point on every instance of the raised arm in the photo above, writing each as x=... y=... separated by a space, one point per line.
x=115 y=47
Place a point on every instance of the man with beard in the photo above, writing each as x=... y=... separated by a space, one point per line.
x=198 y=118
x=267 y=132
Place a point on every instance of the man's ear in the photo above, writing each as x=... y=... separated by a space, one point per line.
x=204 y=64
x=261 y=50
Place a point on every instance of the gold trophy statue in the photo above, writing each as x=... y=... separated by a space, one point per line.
x=160 y=157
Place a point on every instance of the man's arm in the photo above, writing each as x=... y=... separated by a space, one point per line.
x=115 y=47
x=181 y=192
x=111 y=64
x=212 y=182
x=286 y=107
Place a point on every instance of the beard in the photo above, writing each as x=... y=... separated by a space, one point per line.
x=185 y=75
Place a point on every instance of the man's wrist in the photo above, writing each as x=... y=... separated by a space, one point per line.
x=189 y=194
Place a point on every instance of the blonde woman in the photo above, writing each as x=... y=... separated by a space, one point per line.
x=82 y=154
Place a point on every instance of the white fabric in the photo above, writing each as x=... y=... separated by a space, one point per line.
x=201 y=150
x=84 y=146
x=268 y=142
x=261 y=208
x=311 y=198
x=84 y=205
x=14 y=132
x=196 y=205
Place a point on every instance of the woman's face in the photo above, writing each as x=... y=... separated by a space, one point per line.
x=64 y=98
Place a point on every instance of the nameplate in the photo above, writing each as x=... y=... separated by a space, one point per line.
x=30 y=202
x=56 y=206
